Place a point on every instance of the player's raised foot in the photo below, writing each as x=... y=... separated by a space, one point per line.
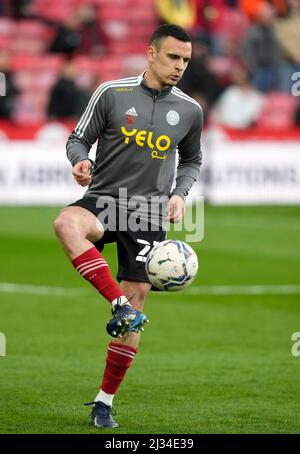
x=125 y=319
x=101 y=415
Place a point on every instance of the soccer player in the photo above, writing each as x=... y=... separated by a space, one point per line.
x=139 y=122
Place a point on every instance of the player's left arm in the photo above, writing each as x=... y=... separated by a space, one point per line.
x=188 y=170
x=176 y=209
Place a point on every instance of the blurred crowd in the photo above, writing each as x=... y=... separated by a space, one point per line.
x=246 y=56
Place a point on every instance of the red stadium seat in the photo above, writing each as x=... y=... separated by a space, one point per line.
x=29 y=80
x=108 y=13
x=141 y=32
x=48 y=62
x=142 y=15
x=234 y=23
x=7 y=26
x=105 y=68
x=278 y=111
x=19 y=62
x=28 y=45
x=128 y=24
x=31 y=28
x=88 y=64
x=128 y=48
x=116 y=30
x=57 y=12
x=29 y=37
x=25 y=80
x=31 y=108
x=5 y=42
x=220 y=65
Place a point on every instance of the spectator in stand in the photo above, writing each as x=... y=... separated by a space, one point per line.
x=180 y=12
x=17 y=9
x=20 y=9
x=288 y=30
x=4 y=8
x=94 y=40
x=68 y=35
x=197 y=15
x=240 y=105
x=262 y=51
x=7 y=102
x=199 y=81
x=67 y=100
x=79 y=33
x=251 y=7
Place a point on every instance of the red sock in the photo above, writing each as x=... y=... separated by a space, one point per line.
x=93 y=267
x=119 y=359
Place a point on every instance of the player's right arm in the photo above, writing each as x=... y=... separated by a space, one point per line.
x=82 y=172
x=85 y=134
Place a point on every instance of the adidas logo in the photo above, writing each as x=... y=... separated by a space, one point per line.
x=132 y=112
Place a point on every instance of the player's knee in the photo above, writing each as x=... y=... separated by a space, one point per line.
x=65 y=226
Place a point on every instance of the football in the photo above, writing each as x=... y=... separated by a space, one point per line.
x=171 y=265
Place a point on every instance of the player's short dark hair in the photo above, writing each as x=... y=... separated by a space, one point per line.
x=166 y=30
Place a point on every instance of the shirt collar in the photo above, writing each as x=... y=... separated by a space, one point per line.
x=153 y=91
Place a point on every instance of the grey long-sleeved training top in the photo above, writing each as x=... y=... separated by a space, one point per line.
x=138 y=130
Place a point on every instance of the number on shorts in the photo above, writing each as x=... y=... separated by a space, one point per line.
x=142 y=255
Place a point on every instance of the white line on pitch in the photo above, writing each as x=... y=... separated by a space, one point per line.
x=6 y=287
x=193 y=290
x=243 y=290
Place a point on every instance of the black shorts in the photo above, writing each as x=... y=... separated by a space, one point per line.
x=133 y=247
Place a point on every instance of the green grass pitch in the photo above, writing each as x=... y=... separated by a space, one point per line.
x=207 y=363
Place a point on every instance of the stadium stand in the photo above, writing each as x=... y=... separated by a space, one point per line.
x=127 y=24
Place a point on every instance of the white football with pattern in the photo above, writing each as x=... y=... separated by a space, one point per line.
x=171 y=265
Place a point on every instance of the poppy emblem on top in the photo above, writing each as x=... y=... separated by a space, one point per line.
x=131 y=115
